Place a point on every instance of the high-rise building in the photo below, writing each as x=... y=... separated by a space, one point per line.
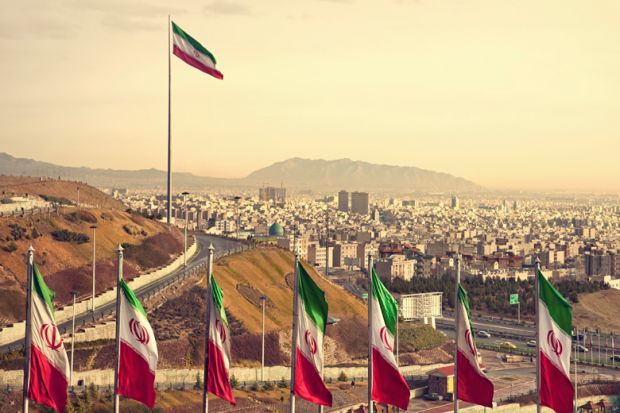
x=343 y=201
x=272 y=194
x=455 y=202
x=359 y=203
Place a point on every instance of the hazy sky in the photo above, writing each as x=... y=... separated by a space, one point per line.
x=510 y=94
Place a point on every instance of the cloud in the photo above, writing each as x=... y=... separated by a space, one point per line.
x=226 y=7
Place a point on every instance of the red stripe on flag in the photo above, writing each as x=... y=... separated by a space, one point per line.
x=135 y=378
x=196 y=63
x=48 y=385
x=556 y=390
x=218 y=381
x=473 y=387
x=308 y=382
x=388 y=385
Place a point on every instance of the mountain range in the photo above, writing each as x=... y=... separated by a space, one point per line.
x=295 y=173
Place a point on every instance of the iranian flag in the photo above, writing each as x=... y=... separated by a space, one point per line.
x=186 y=48
x=388 y=385
x=312 y=319
x=218 y=381
x=138 y=357
x=554 y=332
x=473 y=384
x=49 y=366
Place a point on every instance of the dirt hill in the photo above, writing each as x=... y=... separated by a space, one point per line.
x=63 y=246
x=598 y=310
x=56 y=189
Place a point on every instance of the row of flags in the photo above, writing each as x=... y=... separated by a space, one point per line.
x=47 y=371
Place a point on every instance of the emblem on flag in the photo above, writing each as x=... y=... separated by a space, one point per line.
x=49 y=333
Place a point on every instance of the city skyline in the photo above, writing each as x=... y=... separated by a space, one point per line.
x=510 y=96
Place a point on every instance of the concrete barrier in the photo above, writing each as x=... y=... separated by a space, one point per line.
x=188 y=376
x=16 y=331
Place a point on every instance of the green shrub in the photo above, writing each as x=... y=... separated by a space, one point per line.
x=342 y=376
x=268 y=386
x=234 y=383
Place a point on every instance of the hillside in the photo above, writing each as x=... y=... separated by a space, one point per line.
x=179 y=323
x=298 y=173
x=63 y=246
x=56 y=189
x=598 y=310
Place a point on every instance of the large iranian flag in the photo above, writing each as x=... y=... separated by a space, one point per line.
x=218 y=381
x=138 y=358
x=473 y=384
x=554 y=331
x=49 y=366
x=188 y=49
x=312 y=312
x=388 y=385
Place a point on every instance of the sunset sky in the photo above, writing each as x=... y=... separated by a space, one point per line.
x=510 y=94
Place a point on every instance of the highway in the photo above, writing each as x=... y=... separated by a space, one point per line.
x=223 y=246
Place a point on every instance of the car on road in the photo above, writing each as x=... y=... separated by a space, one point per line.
x=507 y=345
x=531 y=343
x=483 y=334
x=582 y=349
x=432 y=396
x=579 y=337
x=615 y=357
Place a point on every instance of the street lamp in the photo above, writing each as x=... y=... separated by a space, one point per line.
x=78 y=197
x=94 y=228
x=262 y=358
x=74 y=293
x=185 y=194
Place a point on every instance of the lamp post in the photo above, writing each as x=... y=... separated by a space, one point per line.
x=262 y=357
x=185 y=236
x=94 y=228
x=78 y=197
x=74 y=294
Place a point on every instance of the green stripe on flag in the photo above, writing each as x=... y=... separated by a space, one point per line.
x=465 y=300
x=314 y=299
x=559 y=308
x=42 y=289
x=388 y=304
x=218 y=298
x=177 y=30
x=131 y=297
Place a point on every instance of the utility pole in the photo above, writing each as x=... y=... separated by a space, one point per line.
x=73 y=293
x=327 y=241
x=185 y=233
x=94 y=228
x=262 y=357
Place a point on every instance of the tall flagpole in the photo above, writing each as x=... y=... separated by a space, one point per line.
x=28 y=337
x=575 y=358
x=295 y=321
x=458 y=332
x=119 y=276
x=370 y=289
x=205 y=390
x=169 y=212
x=536 y=299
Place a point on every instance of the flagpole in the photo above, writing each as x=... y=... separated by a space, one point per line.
x=119 y=276
x=575 y=359
x=28 y=336
x=370 y=289
x=294 y=332
x=205 y=390
x=457 y=320
x=169 y=212
x=536 y=299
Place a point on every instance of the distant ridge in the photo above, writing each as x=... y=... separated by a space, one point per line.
x=294 y=173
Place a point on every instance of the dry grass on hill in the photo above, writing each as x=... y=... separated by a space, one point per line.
x=63 y=244
x=20 y=185
x=598 y=310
